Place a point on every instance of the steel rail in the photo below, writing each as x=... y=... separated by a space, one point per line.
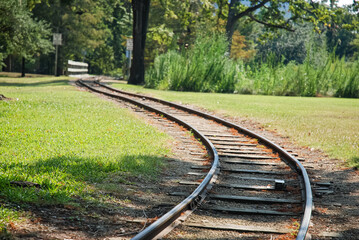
x=292 y=161
x=196 y=197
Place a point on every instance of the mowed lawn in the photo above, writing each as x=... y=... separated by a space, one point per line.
x=329 y=124
x=70 y=142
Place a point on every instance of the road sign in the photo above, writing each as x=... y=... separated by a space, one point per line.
x=129 y=44
x=57 y=39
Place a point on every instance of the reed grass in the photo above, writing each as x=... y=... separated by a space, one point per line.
x=206 y=67
x=331 y=77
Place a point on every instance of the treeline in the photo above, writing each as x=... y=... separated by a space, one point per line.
x=92 y=31
x=302 y=48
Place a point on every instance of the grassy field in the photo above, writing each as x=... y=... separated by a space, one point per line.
x=71 y=143
x=330 y=124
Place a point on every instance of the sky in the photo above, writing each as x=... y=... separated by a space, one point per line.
x=342 y=2
x=345 y=2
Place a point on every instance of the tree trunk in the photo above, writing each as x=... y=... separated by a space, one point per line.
x=141 y=9
x=10 y=63
x=7 y=67
x=23 y=67
x=231 y=23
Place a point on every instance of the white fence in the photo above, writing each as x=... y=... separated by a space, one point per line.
x=76 y=68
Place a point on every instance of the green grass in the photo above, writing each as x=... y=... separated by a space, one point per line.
x=70 y=142
x=330 y=124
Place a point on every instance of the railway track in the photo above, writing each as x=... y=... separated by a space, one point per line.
x=246 y=184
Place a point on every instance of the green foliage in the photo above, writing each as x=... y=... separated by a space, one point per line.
x=280 y=14
x=354 y=44
x=95 y=31
x=290 y=45
x=241 y=48
x=92 y=31
x=204 y=67
x=321 y=74
x=172 y=24
x=348 y=81
x=120 y=25
x=102 y=60
x=20 y=34
x=341 y=31
x=32 y=3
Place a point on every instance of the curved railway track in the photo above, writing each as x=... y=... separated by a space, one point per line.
x=247 y=183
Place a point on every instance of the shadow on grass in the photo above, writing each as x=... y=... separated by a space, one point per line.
x=18 y=75
x=117 y=192
x=34 y=84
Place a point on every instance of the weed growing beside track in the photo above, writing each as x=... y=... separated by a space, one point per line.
x=71 y=143
x=330 y=124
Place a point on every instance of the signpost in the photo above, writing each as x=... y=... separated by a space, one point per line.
x=129 y=44
x=129 y=47
x=56 y=40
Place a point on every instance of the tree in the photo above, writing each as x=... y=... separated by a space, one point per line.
x=341 y=31
x=81 y=24
x=241 y=47
x=355 y=46
x=275 y=14
x=173 y=22
x=32 y=40
x=140 y=9
x=121 y=28
x=20 y=34
x=9 y=15
x=288 y=45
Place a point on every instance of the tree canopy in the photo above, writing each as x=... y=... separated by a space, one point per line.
x=96 y=31
x=20 y=33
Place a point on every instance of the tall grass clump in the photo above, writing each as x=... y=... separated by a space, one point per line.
x=321 y=74
x=204 y=67
x=348 y=85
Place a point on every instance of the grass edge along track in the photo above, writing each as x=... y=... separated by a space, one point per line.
x=197 y=196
